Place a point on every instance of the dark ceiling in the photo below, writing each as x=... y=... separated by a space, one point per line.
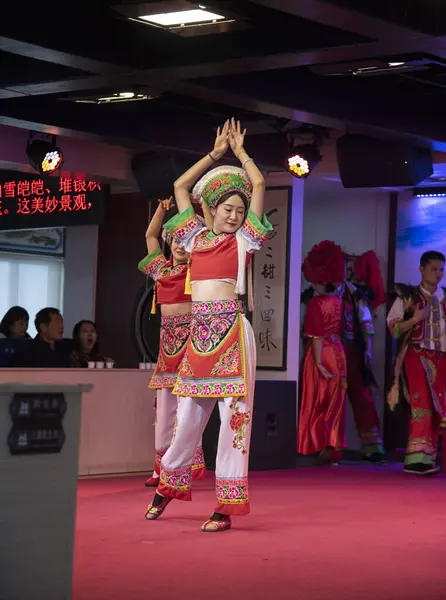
x=284 y=63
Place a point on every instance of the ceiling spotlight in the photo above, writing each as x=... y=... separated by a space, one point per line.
x=182 y=17
x=43 y=155
x=303 y=159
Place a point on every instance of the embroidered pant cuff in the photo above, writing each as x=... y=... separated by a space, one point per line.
x=232 y=496
x=176 y=484
x=417 y=458
x=233 y=509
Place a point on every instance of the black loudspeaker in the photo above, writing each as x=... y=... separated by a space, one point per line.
x=155 y=172
x=273 y=438
x=366 y=162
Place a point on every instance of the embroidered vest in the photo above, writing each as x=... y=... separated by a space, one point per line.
x=427 y=331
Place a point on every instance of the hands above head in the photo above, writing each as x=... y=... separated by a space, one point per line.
x=167 y=204
x=195 y=199
x=221 y=143
x=236 y=137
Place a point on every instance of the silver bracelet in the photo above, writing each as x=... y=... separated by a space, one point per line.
x=247 y=161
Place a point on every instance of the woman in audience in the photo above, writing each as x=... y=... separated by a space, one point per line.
x=86 y=348
x=14 y=323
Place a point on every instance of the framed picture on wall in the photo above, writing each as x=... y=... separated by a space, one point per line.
x=48 y=242
x=271 y=277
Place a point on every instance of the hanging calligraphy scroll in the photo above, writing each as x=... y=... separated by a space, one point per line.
x=271 y=276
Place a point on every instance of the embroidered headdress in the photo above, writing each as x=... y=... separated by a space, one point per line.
x=324 y=264
x=169 y=238
x=223 y=181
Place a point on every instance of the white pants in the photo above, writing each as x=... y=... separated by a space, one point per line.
x=166 y=415
x=233 y=442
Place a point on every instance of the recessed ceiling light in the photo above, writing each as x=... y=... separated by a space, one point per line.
x=396 y=64
x=122 y=97
x=182 y=17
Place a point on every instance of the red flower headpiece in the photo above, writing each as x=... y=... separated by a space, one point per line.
x=367 y=269
x=325 y=263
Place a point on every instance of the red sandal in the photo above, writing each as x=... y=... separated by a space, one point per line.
x=152 y=481
x=215 y=526
x=153 y=512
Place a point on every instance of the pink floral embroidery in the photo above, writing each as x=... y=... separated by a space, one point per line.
x=232 y=491
x=238 y=424
x=163 y=381
x=184 y=230
x=158 y=456
x=198 y=459
x=154 y=267
x=229 y=361
x=160 y=365
x=208 y=389
x=203 y=241
x=186 y=368
x=179 y=479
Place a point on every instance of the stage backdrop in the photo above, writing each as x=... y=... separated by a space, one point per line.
x=271 y=276
x=421 y=226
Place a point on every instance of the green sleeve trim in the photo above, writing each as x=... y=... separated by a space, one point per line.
x=263 y=226
x=148 y=259
x=179 y=219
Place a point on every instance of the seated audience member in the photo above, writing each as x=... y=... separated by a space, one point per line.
x=14 y=323
x=86 y=347
x=47 y=350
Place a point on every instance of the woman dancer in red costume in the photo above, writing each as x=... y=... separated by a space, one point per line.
x=220 y=359
x=169 y=277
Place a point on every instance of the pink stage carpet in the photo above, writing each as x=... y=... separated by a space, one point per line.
x=341 y=533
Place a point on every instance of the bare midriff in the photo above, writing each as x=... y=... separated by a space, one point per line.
x=213 y=289
x=168 y=310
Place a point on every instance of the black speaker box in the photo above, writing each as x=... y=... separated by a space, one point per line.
x=155 y=172
x=366 y=162
x=273 y=438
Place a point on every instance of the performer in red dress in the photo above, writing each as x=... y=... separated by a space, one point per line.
x=417 y=320
x=322 y=407
x=361 y=290
x=220 y=361
x=169 y=277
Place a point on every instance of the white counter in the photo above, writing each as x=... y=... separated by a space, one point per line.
x=117 y=433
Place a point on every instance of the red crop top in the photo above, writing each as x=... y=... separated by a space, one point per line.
x=215 y=257
x=170 y=280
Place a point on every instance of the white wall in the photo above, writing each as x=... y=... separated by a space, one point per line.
x=357 y=220
x=81 y=251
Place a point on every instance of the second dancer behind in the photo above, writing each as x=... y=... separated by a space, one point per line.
x=169 y=277
x=324 y=375
x=220 y=360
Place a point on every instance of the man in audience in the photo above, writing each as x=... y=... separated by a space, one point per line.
x=46 y=350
